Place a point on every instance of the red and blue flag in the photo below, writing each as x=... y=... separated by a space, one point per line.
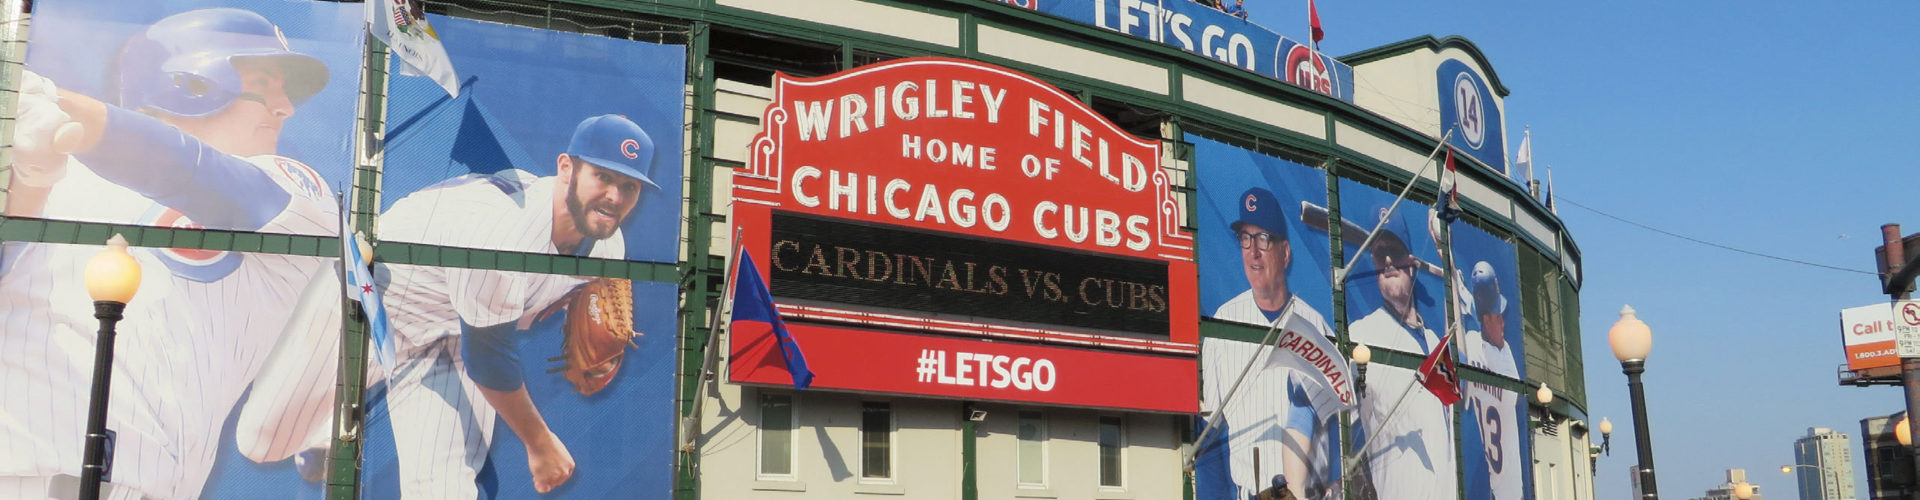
x=754 y=317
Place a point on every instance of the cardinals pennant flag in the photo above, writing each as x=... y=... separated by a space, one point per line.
x=754 y=316
x=1440 y=375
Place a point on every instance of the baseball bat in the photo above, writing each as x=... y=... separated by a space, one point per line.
x=1317 y=218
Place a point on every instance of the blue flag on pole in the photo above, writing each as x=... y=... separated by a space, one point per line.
x=754 y=316
x=359 y=286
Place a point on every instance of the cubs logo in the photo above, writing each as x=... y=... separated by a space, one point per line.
x=1467 y=106
x=630 y=148
x=1307 y=69
x=204 y=266
x=300 y=179
x=1251 y=206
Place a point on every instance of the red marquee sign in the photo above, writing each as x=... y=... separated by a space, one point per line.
x=957 y=198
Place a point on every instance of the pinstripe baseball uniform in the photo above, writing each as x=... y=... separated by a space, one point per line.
x=194 y=336
x=1268 y=403
x=441 y=423
x=1497 y=412
x=1412 y=456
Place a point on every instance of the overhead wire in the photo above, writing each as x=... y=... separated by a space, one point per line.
x=1713 y=244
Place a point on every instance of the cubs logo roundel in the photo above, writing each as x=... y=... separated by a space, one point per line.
x=204 y=266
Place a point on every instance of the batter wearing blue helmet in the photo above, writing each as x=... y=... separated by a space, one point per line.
x=456 y=331
x=188 y=138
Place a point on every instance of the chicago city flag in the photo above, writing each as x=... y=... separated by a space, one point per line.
x=359 y=287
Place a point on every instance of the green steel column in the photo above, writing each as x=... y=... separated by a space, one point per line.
x=343 y=458
x=969 y=457
x=13 y=57
x=1336 y=249
x=700 y=271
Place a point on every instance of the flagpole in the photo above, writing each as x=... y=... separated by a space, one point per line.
x=1453 y=307
x=1341 y=274
x=690 y=424
x=1265 y=345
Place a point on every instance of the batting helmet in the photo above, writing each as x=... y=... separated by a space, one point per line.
x=183 y=64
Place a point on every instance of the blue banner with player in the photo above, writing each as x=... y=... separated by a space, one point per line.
x=229 y=115
x=1493 y=429
x=1396 y=299
x=187 y=113
x=557 y=144
x=1466 y=101
x=1264 y=259
x=1203 y=30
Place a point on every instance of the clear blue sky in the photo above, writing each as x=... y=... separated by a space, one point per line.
x=1776 y=127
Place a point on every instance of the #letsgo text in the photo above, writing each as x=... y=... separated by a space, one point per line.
x=986 y=370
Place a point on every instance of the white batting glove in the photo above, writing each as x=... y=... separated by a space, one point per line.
x=43 y=138
x=32 y=83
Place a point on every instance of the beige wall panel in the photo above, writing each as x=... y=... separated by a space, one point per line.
x=863 y=16
x=1220 y=97
x=1027 y=49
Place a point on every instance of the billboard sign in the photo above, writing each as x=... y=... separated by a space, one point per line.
x=604 y=115
x=191 y=135
x=1396 y=299
x=956 y=198
x=1211 y=33
x=1493 y=444
x=1466 y=101
x=1868 y=334
x=1264 y=248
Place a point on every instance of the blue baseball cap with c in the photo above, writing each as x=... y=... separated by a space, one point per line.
x=1486 y=290
x=614 y=143
x=1260 y=208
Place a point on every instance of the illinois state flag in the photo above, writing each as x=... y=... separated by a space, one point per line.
x=402 y=25
x=755 y=317
x=1439 y=373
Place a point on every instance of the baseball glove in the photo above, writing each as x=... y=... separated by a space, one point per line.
x=598 y=331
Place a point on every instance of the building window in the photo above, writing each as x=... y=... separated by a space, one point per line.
x=1033 y=449
x=876 y=440
x=776 y=436
x=1112 y=445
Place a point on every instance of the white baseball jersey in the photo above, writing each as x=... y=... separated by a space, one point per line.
x=441 y=423
x=1498 y=413
x=1411 y=455
x=1264 y=409
x=195 y=335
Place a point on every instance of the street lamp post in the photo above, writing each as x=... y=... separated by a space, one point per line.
x=1824 y=474
x=112 y=278
x=1631 y=341
x=1361 y=356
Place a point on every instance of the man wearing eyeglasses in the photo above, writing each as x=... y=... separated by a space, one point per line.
x=1412 y=454
x=1265 y=254
x=1274 y=427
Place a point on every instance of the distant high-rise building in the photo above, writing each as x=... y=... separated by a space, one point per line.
x=1725 y=491
x=1889 y=465
x=1826 y=458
